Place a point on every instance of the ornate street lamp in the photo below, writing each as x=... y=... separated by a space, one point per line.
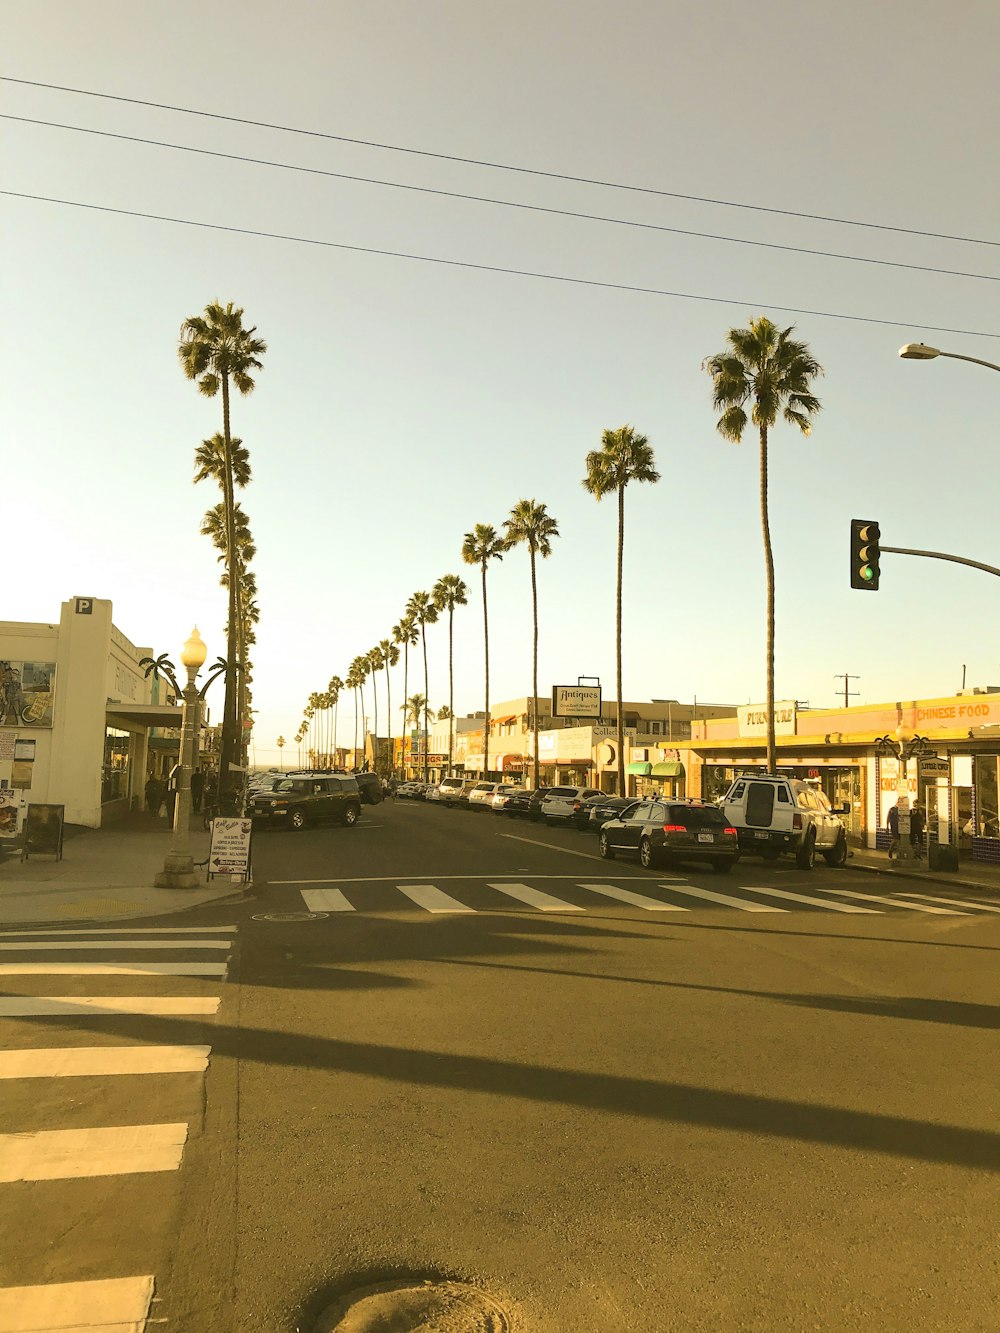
x=902 y=746
x=178 y=867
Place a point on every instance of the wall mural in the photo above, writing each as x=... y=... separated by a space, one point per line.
x=26 y=693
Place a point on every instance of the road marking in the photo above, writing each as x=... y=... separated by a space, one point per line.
x=723 y=898
x=432 y=899
x=535 y=898
x=112 y=969
x=82 y=945
x=550 y=846
x=326 y=900
x=112 y=1305
x=86 y=1061
x=64 y=1154
x=105 y=931
x=394 y=879
x=894 y=902
x=23 y=1006
x=806 y=898
x=953 y=902
x=634 y=899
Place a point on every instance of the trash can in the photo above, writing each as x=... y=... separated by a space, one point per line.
x=942 y=856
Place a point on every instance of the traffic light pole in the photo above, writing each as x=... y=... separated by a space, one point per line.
x=940 y=555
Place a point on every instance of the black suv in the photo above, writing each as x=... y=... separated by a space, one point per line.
x=666 y=829
x=370 y=787
x=297 y=801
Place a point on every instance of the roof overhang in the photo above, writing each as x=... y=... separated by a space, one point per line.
x=140 y=717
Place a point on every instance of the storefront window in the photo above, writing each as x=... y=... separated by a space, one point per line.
x=114 y=783
x=985 y=778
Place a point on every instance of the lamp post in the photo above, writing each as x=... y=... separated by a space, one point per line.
x=903 y=745
x=921 y=352
x=178 y=867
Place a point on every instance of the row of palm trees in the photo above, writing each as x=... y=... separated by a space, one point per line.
x=762 y=373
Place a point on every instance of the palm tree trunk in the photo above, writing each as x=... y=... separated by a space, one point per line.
x=486 y=719
x=375 y=708
x=423 y=635
x=618 y=641
x=388 y=713
x=406 y=696
x=534 y=658
x=228 y=751
x=354 y=753
x=772 y=758
x=336 y=719
x=451 y=688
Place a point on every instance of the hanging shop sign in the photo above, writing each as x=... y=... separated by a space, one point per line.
x=576 y=701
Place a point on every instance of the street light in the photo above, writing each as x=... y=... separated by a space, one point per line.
x=178 y=867
x=921 y=352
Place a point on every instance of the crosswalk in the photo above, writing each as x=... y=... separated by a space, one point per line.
x=54 y=1025
x=482 y=895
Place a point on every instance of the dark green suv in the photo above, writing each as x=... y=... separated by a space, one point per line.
x=297 y=801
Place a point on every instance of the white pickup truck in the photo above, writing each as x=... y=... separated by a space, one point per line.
x=774 y=814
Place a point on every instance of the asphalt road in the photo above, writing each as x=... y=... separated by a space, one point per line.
x=661 y=1113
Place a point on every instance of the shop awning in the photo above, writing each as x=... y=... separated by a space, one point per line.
x=668 y=769
x=500 y=720
x=137 y=717
x=641 y=770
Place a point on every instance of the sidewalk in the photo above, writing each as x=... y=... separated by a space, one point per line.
x=105 y=874
x=970 y=875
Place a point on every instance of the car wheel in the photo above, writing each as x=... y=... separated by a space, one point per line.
x=805 y=857
x=607 y=851
x=297 y=820
x=837 y=855
x=721 y=866
x=351 y=815
x=646 y=857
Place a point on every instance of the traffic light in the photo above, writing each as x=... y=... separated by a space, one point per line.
x=865 y=534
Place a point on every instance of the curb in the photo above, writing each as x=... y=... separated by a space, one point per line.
x=15 y=927
x=925 y=877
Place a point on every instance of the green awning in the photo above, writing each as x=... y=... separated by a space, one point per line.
x=671 y=769
x=643 y=770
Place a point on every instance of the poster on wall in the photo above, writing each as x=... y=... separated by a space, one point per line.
x=26 y=693
x=9 y=800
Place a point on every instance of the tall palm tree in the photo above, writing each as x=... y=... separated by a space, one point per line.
x=450 y=591
x=355 y=679
x=405 y=634
x=530 y=523
x=390 y=656
x=335 y=686
x=767 y=368
x=210 y=461
x=414 y=710
x=624 y=456
x=375 y=664
x=479 y=547
x=216 y=349
x=421 y=607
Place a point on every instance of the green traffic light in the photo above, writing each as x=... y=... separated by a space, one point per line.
x=867 y=573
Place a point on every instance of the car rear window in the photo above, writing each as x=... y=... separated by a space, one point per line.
x=760 y=804
x=696 y=816
x=562 y=791
x=483 y=786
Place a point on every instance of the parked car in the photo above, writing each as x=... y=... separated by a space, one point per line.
x=449 y=788
x=410 y=791
x=775 y=814
x=597 y=810
x=502 y=795
x=297 y=801
x=676 y=830
x=432 y=793
x=481 y=795
x=560 y=804
x=526 y=804
x=461 y=799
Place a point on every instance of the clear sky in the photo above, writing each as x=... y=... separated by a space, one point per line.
x=402 y=402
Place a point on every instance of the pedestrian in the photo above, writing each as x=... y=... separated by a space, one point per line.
x=917 y=823
x=154 y=794
x=892 y=821
x=197 y=790
x=393 y=784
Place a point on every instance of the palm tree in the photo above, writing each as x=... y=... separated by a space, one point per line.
x=479 y=547
x=444 y=713
x=421 y=607
x=450 y=591
x=767 y=368
x=355 y=679
x=530 y=523
x=390 y=656
x=280 y=742
x=215 y=349
x=405 y=633
x=624 y=456
x=335 y=686
x=375 y=664
x=210 y=462
x=413 y=710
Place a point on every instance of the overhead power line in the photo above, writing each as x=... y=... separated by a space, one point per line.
x=502 y=203
x=493 y=268
x=495 y=166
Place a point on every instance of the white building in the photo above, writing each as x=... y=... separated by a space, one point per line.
x=74 y=698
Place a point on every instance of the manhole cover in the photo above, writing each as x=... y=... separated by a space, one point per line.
x=415 y=1307
x=291 y=916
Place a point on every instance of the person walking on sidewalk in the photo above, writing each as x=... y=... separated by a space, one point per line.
x=917 y=832
x=892 y=821
x=154 y=794
x=197 y=790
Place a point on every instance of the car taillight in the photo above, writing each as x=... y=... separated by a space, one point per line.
x=796 y=821
x=674 y=828
x=576 y=806
x=732 y=832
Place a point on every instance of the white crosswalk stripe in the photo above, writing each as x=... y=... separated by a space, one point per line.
x=111 y=1305
x=535 y=898
x=113 y=969
x=633 y=899
x=807 y=898
x=81 y=946
x=952 y=902
x=722 y=898
x=326 y=900
x=894 y=902
x=63 y=1154
x=104 y=931
x=159 y=1006
x=431 y=899
x=102 y=1061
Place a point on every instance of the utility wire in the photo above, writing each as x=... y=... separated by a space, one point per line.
x=502 y=203
x=495 y=166
x=492 y=268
